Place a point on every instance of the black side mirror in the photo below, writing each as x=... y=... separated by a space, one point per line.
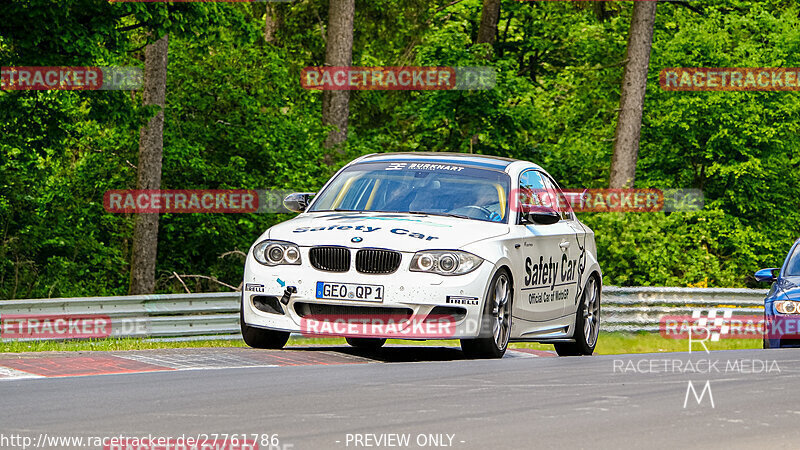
x=298 y=202
x=541 y=216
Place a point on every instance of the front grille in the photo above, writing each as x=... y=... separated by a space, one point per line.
x=304 y=309
x=377 y=261
x=330 y=259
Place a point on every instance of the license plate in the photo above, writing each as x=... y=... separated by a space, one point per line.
x=349 y=291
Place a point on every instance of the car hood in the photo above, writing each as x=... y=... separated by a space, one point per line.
x=789 y=288
x=403 y=232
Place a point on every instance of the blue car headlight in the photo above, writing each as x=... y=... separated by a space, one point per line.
x=787 y=307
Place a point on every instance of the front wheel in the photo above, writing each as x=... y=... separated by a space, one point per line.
x=259 y=337
x=497 y=312
x=587 y=323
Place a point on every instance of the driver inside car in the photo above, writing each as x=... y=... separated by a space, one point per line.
x=481 y=201
x=488 y=199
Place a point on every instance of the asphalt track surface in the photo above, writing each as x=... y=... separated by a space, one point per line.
x=326 y=398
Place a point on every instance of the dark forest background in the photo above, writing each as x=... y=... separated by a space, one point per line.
x=237 y=117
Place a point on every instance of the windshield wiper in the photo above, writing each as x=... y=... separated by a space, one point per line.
x=338 y=210
x=446 y=214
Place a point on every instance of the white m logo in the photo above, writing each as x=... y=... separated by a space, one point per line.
x=699 y=399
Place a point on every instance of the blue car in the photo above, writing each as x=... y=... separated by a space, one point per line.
x=782 y=305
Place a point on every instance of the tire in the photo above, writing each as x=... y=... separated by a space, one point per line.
x=497 y=314
x=366 y=343
x=259 y=337
x=587 y=323
x=769 y=343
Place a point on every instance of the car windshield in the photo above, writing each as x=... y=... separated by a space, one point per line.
x=793 y=268
x=419 y=187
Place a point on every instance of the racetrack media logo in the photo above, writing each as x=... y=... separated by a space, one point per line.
x=699 y=329
x=726 y=326
x=738 y=79
x=387 y=78
x=70 y=78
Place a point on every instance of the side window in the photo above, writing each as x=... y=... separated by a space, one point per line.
x=558 y=199
x=793 y=268
x=531 y=188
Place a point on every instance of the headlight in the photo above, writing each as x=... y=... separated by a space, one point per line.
x=786 y=307
x=273 y=253
x=445 y=262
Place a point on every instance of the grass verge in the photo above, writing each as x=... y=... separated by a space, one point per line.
x=608 y=344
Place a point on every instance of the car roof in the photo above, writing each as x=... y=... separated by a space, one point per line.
x=488 y=161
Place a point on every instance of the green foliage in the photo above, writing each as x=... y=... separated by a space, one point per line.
x=678 y=249
x=237 y=117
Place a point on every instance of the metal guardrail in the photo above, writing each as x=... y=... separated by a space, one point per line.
x=188 y=315
x=641 y=308
x=174 y=315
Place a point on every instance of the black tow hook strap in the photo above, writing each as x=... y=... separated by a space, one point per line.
x=287 y=294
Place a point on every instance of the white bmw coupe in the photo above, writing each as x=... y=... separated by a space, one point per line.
x=427 y=246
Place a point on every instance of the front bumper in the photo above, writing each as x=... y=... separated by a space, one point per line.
x=781 y=330
x=417 y=295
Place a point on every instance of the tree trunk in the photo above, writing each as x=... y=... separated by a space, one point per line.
x=599 y=8
x=151 y=144
x=634 y=85
x=490 y=16
x=338 y=52
x=270 y=23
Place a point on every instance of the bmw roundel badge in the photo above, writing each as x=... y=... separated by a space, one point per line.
x=356 y=239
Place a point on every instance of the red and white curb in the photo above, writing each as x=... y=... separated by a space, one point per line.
x=7 y=372
x=43 y=365
x=77 y=364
